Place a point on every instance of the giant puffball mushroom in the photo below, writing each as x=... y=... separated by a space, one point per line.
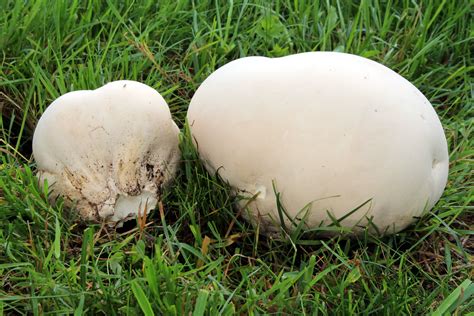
x=107 y=151
x=330 y=132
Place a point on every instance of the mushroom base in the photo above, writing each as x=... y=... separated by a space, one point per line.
x=128 y=207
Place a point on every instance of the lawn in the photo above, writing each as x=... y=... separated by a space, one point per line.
x=195 y=255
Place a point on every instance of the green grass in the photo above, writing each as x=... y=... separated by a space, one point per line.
x=195 y=256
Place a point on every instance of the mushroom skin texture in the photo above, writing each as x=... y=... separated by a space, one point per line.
x=330 y=131
x=107 y=151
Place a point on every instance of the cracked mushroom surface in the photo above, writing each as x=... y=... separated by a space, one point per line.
x=107 y=151
x=331 y=131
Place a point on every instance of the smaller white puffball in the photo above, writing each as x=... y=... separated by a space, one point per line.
x=107 y=151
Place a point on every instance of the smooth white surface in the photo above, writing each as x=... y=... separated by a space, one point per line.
x=330 y=129
x=109 y=150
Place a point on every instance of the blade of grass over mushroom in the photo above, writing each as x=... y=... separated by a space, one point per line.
x=49 y=48
x=297 y=231
x=282 y=213
x=339 y=220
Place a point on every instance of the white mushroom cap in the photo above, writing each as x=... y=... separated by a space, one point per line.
x=109 y=150
x=330 y=129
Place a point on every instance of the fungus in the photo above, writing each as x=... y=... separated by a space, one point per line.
x=107 y=151
x=331 y=131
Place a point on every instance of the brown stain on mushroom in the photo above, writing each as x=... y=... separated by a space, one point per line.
x=145 y=173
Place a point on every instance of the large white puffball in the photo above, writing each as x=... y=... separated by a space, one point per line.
x=330 y=131
x=107 y=151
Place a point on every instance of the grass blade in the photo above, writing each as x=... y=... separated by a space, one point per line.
x=57 y=239
x=201 y=303
x=87 y=242
x=142 y=299
x=462 y=293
